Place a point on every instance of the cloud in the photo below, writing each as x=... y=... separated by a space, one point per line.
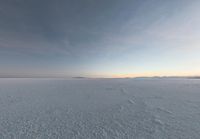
x=88 y=34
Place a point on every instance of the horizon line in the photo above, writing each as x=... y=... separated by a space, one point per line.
x=86 y=77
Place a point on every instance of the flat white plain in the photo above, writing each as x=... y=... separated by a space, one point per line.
x=99 y=108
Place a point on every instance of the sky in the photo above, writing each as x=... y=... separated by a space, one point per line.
x=99 y=38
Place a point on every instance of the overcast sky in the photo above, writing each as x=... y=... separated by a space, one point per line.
x=100 y=38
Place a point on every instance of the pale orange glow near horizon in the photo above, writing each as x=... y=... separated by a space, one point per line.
x=153 y=74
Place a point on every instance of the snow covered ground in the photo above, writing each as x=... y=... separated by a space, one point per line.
x=99 y=109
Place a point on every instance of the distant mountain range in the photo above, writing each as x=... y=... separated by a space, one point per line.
x=81 y=77
x=169 y=77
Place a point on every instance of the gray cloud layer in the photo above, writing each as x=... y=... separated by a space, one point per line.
x=77 y=32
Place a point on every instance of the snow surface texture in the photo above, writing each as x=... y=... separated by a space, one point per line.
x=99 y=109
